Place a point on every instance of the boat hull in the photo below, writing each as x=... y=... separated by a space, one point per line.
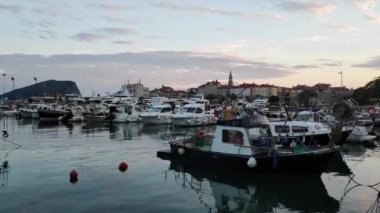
x=156 y=120
x=307 y=163
x=95 y=118
x=50 y=115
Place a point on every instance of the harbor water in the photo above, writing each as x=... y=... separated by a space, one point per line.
x=37 y=179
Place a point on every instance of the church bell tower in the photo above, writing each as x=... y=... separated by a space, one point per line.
x=230 y=82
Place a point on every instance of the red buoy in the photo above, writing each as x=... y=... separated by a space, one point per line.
x=73 y=176
x=123 y=166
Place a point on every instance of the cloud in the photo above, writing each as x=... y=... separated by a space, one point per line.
x=345 y=29
x=88 y=37
x=373 y=62
x=364 y=5
x=103 y=33
x=316 y=38
x=124 y=42
x=331 y=62
x=306 y=6
x=118 y=20
x=191 y=7
x=10 y=8
x=104 y=72
x=367 y=8
x=196 y=8
x=374 y=18
x=36 y=24
x=305 y=66
x=116 y=31
x=111 y=7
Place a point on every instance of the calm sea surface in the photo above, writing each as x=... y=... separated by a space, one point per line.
x=38 y=178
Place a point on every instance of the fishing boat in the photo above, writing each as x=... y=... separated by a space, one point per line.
x=51 y=114
x=246 y=144
x=31 y=111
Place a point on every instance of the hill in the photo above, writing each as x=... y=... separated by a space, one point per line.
x=50 y=87
x=363 y=95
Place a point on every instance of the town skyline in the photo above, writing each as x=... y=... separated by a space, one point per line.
x=183 y=44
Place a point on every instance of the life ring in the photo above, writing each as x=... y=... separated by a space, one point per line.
x=371 y=110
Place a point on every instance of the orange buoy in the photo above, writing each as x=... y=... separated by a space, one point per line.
x=73 y=176
x=123 y=166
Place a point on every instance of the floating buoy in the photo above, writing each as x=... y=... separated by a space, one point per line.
x=251 y=162
x=181 y=151
x=371 y=110
x=73 y=176
x=123 y=166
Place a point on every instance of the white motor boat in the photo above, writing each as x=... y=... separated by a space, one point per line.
x=360 y=134
x=158 y=114
x=193 y=115
x=123 y=114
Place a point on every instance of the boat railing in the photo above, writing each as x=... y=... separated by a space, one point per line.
x=268 y=145
x=199 y=140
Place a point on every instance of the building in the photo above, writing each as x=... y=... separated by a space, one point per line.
x=168 y=92
x=264 y=90
x=209 y=88
x=138 y=90
x=243 y=90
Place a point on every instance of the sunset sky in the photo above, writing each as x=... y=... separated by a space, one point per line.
x=182 y=44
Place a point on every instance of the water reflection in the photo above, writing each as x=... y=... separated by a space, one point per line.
x=354 y=150
x=47 y=124
x=124 y=131
x=94 y=127
x=27 y=122
x=338 y=165
x=259 y=193
x=119 y=131
x=155 y=129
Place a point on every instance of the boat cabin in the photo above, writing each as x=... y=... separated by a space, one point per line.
x=164 y=108
x=193 y=108
x=238 y=136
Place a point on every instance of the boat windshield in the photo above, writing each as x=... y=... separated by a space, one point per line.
x=155 y=109
x=190 y=110
x=187 y=110
x=302 y=117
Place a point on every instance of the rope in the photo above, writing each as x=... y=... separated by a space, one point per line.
x=16 y=144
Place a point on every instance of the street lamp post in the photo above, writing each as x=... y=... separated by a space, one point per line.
x=35 y=79
x=13 y=81
x=4 y=83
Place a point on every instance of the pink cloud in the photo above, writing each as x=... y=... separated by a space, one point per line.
x=88 y=37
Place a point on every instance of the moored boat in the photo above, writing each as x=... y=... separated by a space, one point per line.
x=158 y=114
x=246 y=144
x=50 y=114
x=193 y=115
